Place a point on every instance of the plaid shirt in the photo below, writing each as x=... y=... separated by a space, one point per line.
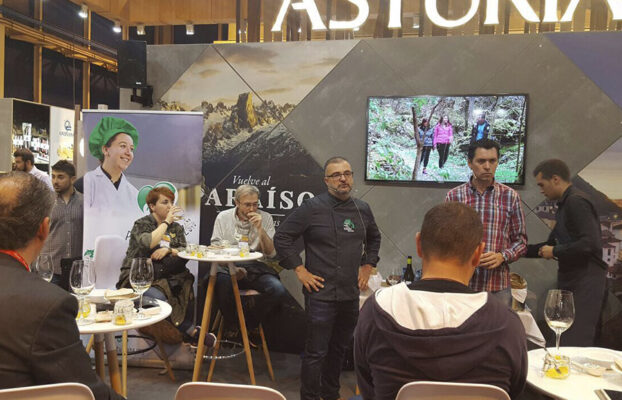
x=504 y=230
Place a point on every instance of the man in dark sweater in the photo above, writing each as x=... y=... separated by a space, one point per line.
x=341 y=246
x=438 y=329
x=576 y=244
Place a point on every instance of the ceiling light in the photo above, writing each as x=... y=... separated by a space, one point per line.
x=299 y=30
x=140 y=29
x=416 y=22
x=84 y=11
x=116 y=28
x=189 y=29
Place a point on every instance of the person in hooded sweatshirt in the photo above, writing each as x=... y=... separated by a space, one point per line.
x=437 y=328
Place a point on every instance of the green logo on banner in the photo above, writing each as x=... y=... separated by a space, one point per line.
x=144 y=191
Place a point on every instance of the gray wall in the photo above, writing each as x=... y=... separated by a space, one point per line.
x=569 y=117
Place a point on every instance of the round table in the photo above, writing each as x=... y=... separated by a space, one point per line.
x=104 y=331
x=229 y=261
x=579 y=385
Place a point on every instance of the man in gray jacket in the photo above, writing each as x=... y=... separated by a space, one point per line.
x=40 y=343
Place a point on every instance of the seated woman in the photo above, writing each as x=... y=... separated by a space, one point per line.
x=159 y=237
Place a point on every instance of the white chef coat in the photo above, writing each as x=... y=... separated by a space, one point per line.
x=108 y=210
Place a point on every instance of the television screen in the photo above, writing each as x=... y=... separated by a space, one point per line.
x=446 y=126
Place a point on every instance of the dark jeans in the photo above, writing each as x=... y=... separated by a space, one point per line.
x=425 y=155
x=186 y=324
x=268 y=285
x=330 y=326
x=443 y=153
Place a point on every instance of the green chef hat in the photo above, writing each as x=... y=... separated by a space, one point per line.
x=105 y=129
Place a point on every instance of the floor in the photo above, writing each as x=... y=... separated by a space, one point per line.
x=147 y=383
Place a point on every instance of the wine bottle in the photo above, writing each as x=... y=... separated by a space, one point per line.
x=409 y=275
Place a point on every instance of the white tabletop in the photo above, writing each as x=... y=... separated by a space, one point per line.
x=579 y=385
x=107 y=327
x=212 y=257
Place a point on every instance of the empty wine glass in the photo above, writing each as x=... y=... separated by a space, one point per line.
x=141 y=277
x=43 y=267
x=559 y=312
x=82 y=282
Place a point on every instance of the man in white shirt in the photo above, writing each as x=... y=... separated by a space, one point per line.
x=247 y=223
x=25 y=161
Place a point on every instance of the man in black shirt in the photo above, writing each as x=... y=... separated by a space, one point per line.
x=437 y=328
x=576 y=244
x=341 y=247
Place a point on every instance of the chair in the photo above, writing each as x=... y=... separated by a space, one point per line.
x=109 y=254
x=219 y=324
x=225 y=391
x=57 y=391
x=424 y=390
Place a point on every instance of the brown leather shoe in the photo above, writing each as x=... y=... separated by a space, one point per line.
x=163 y=331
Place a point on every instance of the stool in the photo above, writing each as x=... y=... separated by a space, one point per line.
x=219 y=322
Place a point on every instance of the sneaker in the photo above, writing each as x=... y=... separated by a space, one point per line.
x=193 y=340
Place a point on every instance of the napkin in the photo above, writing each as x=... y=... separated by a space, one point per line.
x=520 y=295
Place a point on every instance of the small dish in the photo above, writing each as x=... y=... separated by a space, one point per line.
x=601 y=357
x=231 y=251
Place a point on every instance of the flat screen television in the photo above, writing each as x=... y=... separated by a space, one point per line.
x=392 y=149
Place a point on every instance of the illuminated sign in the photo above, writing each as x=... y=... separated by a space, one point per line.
x=431 y=10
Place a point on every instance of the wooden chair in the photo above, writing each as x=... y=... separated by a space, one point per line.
x=424 y=390
x=219 y=324
x=225 y=391
x=57 y=391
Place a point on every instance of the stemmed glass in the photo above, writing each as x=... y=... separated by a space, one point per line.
x=43 y=267
x=559 y=312
x=82 y=282
x=141 y=277
x=395 y=276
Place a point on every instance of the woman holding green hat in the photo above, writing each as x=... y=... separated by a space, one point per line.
x=110 y=200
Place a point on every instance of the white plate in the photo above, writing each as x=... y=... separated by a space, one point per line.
x=601 y=357
x=616 y=368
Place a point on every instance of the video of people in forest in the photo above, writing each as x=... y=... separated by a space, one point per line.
x=446 y=126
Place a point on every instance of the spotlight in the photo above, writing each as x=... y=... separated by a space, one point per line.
x=116 y=28
x=140 y=29
x=299 y=30
x=189 y=29
x=84 y=12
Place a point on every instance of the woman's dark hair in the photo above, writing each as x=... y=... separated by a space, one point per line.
x=423 y=121
x=440 y=121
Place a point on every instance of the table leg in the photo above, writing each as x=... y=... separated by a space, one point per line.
x=124 y=363
x=99 y=356
x=113 y=362
x=167 y=364
x=204 y=323
x=238 y=304
x=89 y=345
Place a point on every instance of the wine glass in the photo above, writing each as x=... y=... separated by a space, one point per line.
x=82 y=282
x=141 y=277
x=559 y=312
x=43 y=267
x=395 y=276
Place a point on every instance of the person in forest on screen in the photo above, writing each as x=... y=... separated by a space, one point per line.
x=443 y=137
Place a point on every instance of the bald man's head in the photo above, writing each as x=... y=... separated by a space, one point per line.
x=25 y=202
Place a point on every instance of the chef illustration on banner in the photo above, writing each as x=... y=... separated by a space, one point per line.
x=110 y=200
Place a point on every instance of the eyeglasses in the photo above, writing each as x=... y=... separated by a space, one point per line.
x=250 y=205
x=338 y=175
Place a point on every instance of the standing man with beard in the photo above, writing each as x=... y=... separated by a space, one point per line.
x=341 y=246
x=65 y=239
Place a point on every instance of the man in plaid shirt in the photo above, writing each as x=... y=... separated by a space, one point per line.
x=501 y=211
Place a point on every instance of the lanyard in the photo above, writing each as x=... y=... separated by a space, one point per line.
x=16 y=256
